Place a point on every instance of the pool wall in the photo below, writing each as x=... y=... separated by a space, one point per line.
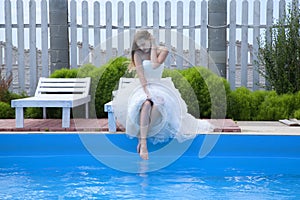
x=227 y=145
x=269 y=152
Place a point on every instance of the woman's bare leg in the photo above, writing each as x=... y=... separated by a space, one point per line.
x=155 y=116
x=144 y=124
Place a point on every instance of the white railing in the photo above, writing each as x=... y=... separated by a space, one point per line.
x=117 y=30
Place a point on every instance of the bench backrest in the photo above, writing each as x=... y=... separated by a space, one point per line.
x=59 y=86
x=123 y=82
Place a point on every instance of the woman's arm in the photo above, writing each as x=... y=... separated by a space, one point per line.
x=158 y=53
x=140 y=72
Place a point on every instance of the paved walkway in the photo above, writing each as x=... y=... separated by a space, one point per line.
x=223 y=126
x=89 y=125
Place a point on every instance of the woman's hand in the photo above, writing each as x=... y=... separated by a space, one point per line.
x=153 y=42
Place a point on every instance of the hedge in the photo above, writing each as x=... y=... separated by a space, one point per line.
x=206 y=94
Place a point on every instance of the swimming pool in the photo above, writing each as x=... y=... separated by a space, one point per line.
x=61 y=166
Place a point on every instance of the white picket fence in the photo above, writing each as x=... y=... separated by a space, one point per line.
x=27 y=65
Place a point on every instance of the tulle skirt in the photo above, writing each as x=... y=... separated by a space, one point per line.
x=171 y=119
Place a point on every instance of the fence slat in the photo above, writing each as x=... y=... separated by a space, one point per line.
x=73 y=29
x=281 y=9
x=44 y=37
x=97 y=35
x=156 y=20
x=244 y=47
x=256 y=22
x=269 y=17
x=33 y=60
x=203 y=51
x=192 y=33
x=85 y=33
x=8 y=37
x=179 y=57
x=108 y=30
x=232 y=45
x=120 y=28
x=132 y=22
x=21 y=58
x=168 y=32
x=144 y=14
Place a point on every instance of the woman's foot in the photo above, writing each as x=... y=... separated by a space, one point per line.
x=142 y=149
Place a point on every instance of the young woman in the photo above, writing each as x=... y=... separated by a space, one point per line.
x=155 y=109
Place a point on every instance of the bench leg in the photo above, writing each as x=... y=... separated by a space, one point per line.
x=87 y=110
x=111 y=122
x=19 y=117
x=44 y=113
x=66 y=117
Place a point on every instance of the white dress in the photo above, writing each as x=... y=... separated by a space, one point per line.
x=173 y=120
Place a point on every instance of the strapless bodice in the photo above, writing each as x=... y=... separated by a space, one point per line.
x=150 y=72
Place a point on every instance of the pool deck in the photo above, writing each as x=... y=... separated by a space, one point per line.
x=223 y=126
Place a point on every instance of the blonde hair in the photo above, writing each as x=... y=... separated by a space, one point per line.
x=141 y=34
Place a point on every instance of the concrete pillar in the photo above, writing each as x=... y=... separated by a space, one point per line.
x=59 y=34
x=217 y=21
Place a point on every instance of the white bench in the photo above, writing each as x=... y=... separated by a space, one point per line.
x=56 y=92
x=112 y=126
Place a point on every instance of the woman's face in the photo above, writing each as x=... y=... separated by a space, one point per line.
x=144 y=45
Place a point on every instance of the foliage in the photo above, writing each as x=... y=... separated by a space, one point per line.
x=244 y=104
x=276 y=107
x=34 y=113
x=296 y=101
x=239 y=106
x=185 y=89
x=6 y=111
x=202 y=90
x=37 y=113
x=64 y=73
x=279 y=53
x=108 y=79
x=296 y=114
x=4 y=87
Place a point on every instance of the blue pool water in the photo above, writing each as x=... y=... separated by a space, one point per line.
x=61 y=166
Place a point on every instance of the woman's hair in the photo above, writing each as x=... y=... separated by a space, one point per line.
x=141 y=34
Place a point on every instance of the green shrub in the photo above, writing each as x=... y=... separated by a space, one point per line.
x=246 y=105
x=219 y=89
x=239 y=104
x=64 y=73
x=276 y=107
x=210 y=89
x=202 y=90
x=296 y=114
x=6 y=112
x=296 y=101
x=33 y=113
x=185 y=89
x=257 y=97
x=37 y=113
x=108 y=78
